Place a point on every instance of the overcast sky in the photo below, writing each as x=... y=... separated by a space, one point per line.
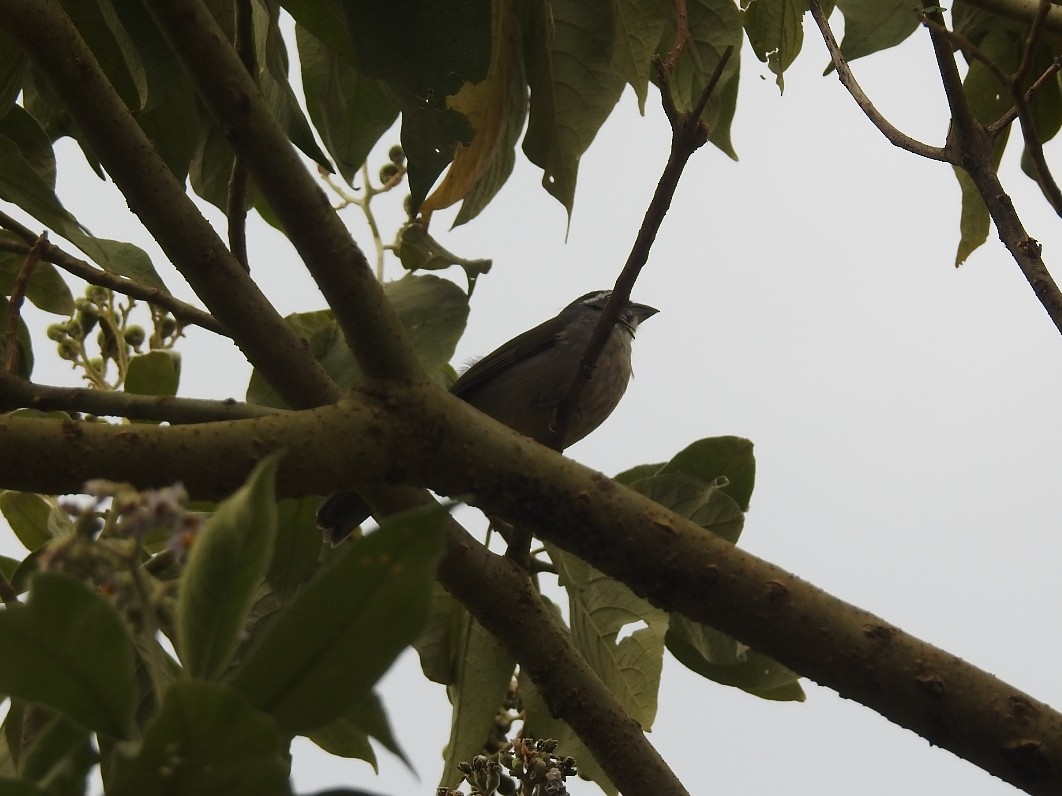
x=905 y=413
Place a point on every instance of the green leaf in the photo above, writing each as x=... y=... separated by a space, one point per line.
x=716 y=656
x=441 y=634
x=154 y=373
x=22 y=342
x=704 y=503
x=225 y=568
x=350 y=110
x=110 y=44
x=419 y=251
x=484 y=671
x=205 y=741
x=45 y=289
x=297 y=547
x=348 y=736
x=273 y=81
x=60 y=755
x=568 y=54
x=68 y=648
x=14 y=786
x=429 y=138
x=707 y=459
x=639 y=27
x=599 y=609
x=119 y=257
x=775 y=29
x=33 y=143
x=988 y=102
x=13 y=68
x=27 y=514
x=422 y=49
x=714 y=25
x=324 y=651
x=433 y=312
x=326 y=21
x=873 y=25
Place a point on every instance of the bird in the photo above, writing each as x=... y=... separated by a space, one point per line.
x=521 y=383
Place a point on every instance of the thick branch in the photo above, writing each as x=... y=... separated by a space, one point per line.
x=159 y=200
x=422 y=435
x=334 y=260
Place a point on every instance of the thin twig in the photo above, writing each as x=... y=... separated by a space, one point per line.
x=183 y=312
x=844 y=73
x=1048 y=75
x=688 y=134
x=14 y=303
x=16 y=393
x=682 y=36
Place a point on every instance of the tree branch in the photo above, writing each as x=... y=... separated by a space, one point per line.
x=185 y=313
x=971 y=145
x=688 y=134
x=332 y=257
x=159 y=200
x=16 y=393
x=422 y=435
x=844 y=74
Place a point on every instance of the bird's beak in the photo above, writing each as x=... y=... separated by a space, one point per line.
x=639 y=312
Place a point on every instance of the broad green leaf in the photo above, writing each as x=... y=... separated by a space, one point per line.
x=988 y=101
x=118 y=57
x=68 y=648
x=873 y=25
x=154 y=373
x=16 y=786
x=60 y=756
x=27 y=514
x=22 y=342
x=32 y=142
x=639 y=26
x=441 y=635
x=350 y=110
x=430 y=136
x=599 y=609
x=119 y=257
x=709 y=458
x=273 y=81
x=419 y=251
x=325 y=650
x=484 y=671
x=205 y=741
x=714 y=25
x=23 y=185
x=496 y=108
x=211 y=166
x=425 y=50
x=716 y=656
x=13 y=68
x=705 y=503
x=45 y=289
x=225 y=568
x=348 y=736
x=326 y=21
x=775 y=29
x=297 y=547
x=433 y=312
x=568 y=56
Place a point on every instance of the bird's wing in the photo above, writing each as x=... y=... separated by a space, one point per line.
x=524 y=346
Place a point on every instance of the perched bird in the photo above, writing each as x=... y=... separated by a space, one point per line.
x=522 y=382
